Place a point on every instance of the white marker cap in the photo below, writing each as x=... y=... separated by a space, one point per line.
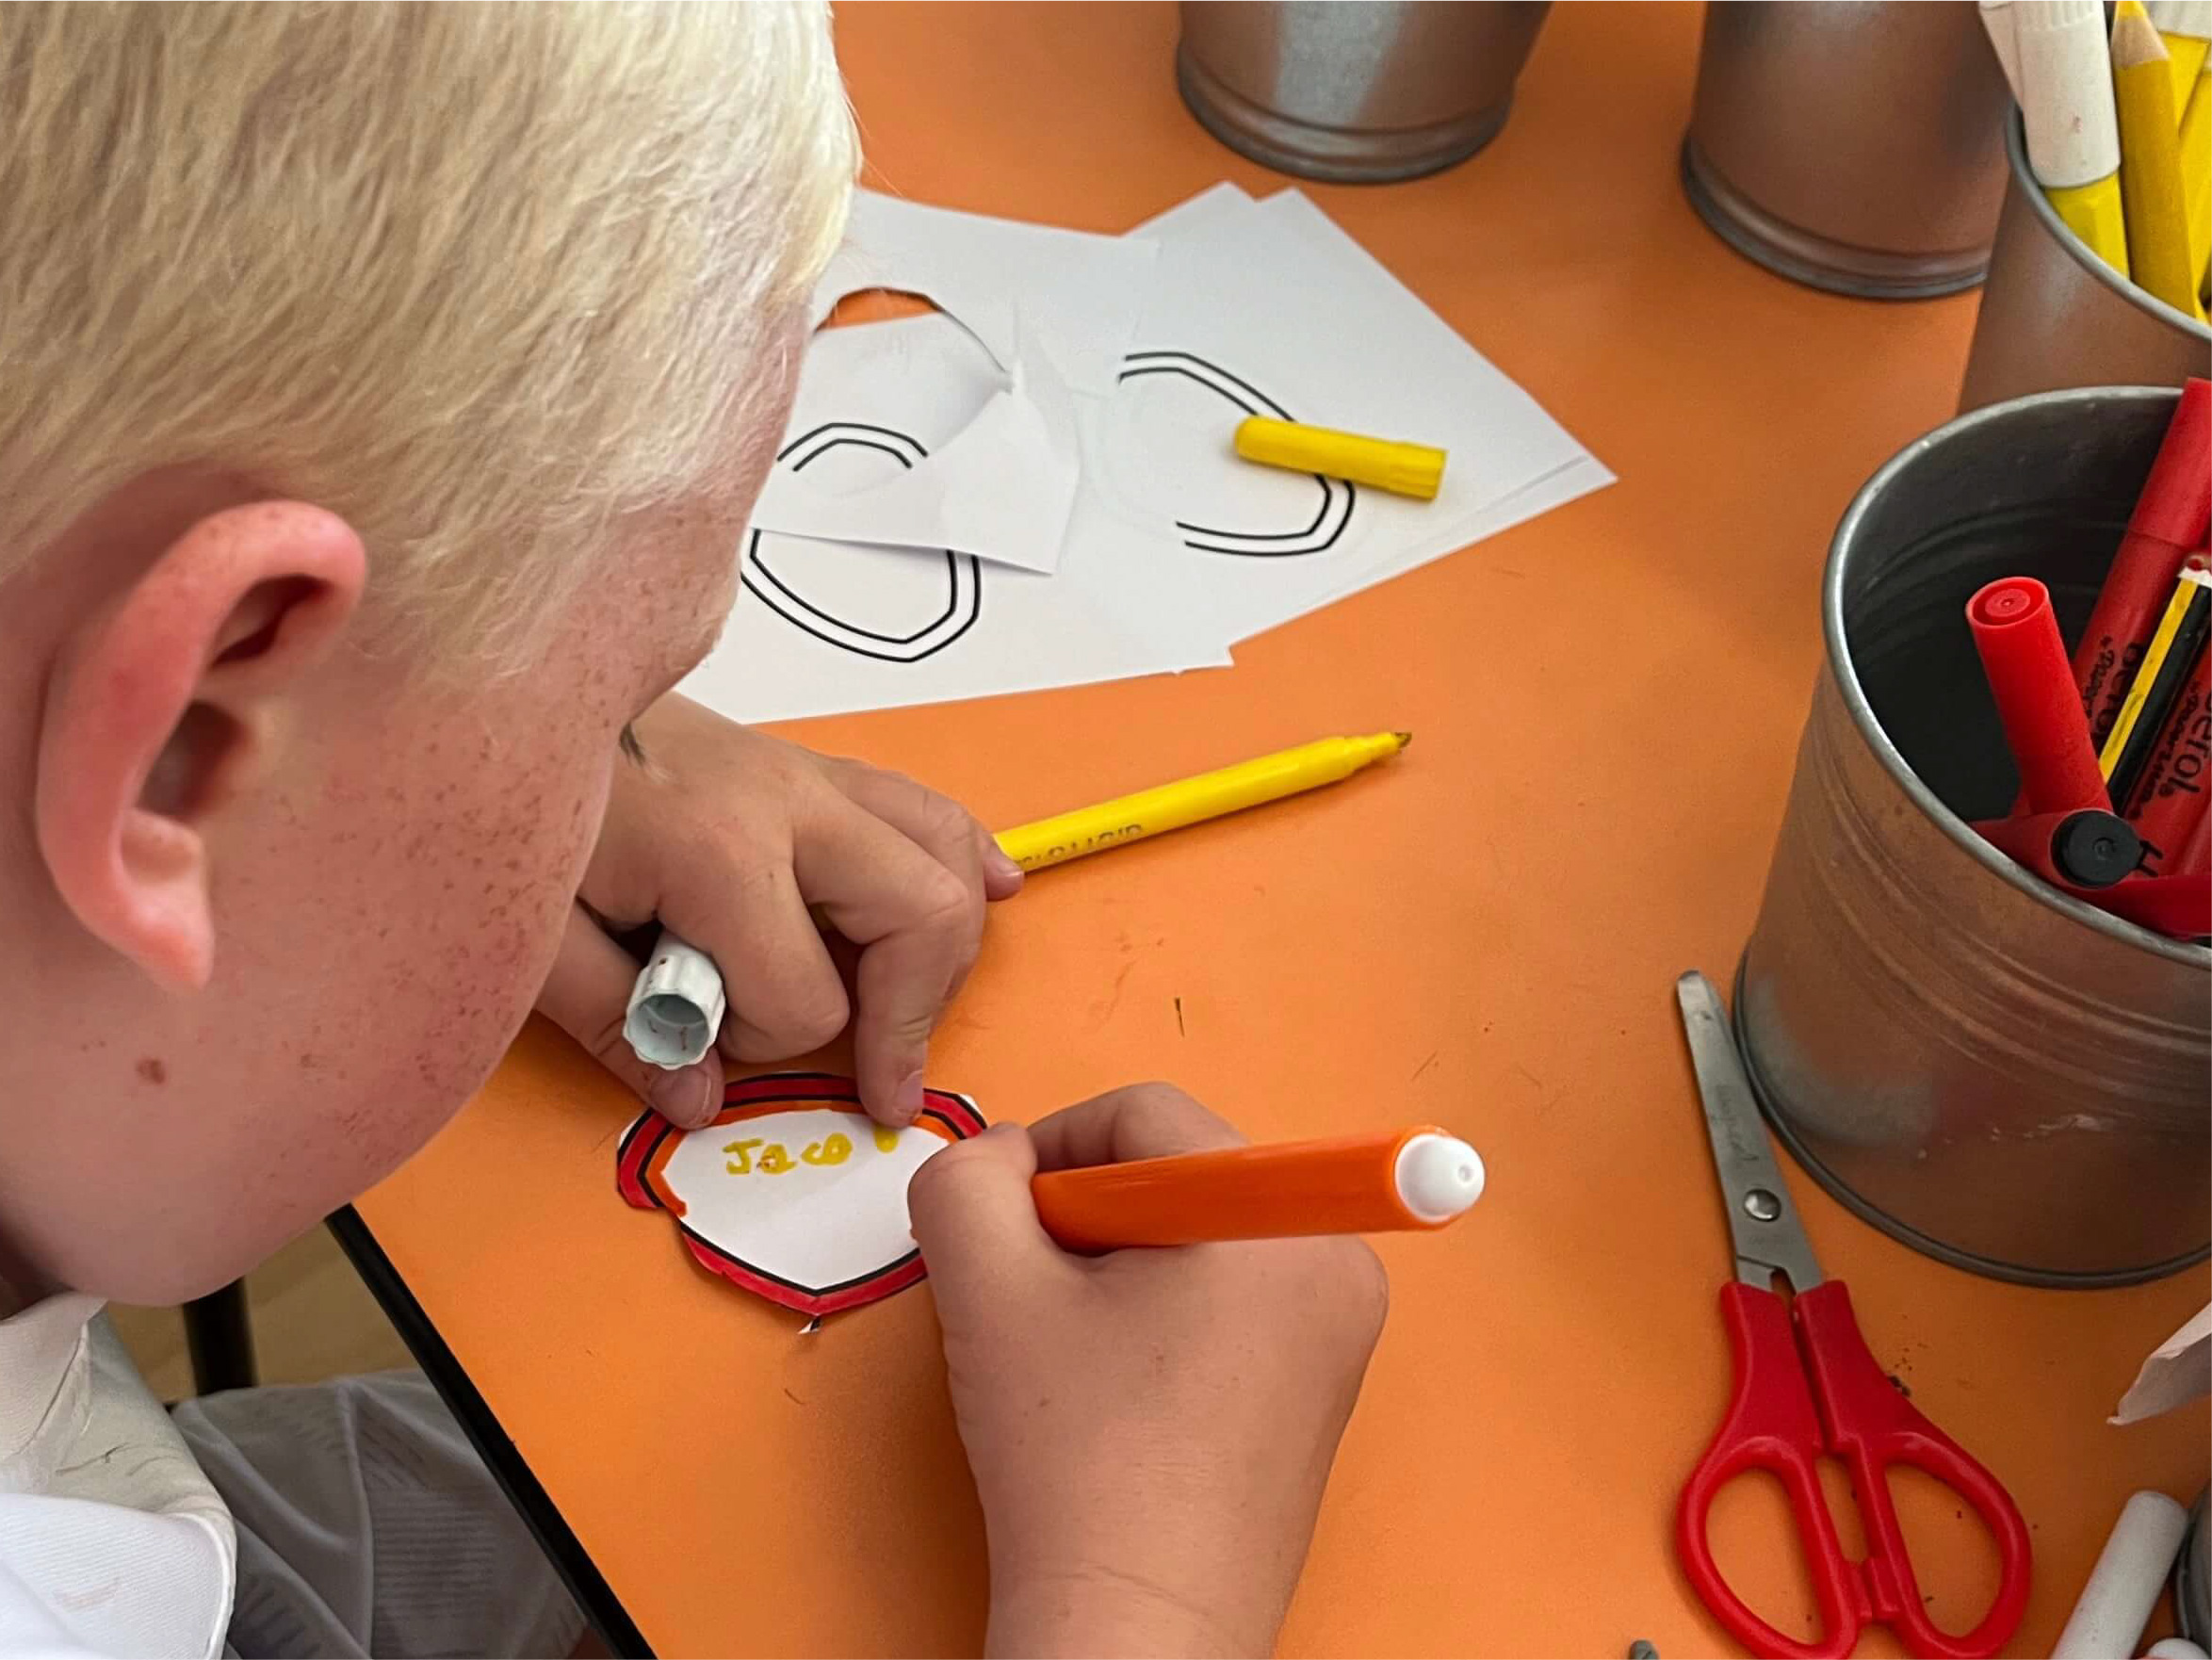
x=677 y=1005
x=2065 y=81
x=1998 y=17
x=1439 y=1176
x=2192 y=18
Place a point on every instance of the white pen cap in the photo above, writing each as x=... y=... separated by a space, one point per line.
x=676 y=1007
x=2065 y=82
x=1997 y=17
x=1439 y=1176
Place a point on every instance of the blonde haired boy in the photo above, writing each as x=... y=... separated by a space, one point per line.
x=382 y=390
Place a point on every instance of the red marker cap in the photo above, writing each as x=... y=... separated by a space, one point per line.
x=2025 y=660
x=2176 y=502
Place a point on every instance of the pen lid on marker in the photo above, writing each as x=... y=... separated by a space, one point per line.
x=675 y=1007
x=2176 y=502
x=2065 y=89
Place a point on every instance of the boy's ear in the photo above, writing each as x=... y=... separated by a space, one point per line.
x=165 y=702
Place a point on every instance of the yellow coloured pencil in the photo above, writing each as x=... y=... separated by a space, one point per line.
x=2196 y=172
x=2183 y=26
x=1191 y=801
x=2150 y=162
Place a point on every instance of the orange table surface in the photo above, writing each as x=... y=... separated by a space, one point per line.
x=1484 y=935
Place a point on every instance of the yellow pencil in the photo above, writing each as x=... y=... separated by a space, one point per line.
x=2150 y=162
x=2183 y=26
x=2196 y=172
x=1191 y=801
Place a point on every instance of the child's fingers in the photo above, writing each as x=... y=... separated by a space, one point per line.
x=917 y=926
x=586 y=995
x=976 y=1224
x=935 y=823
x=785 y=996
x=1141 y=1121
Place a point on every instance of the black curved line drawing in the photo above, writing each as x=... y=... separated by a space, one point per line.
x=853 y=427
x=963 y=577
x=1338 y=496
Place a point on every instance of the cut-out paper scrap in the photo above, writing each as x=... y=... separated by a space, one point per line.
x=1078 y=293
x=876 y=584
x=793 y=1191
x=831 y=627
x=993 y=457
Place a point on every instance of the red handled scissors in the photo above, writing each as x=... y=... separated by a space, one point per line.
x=1806 y=1386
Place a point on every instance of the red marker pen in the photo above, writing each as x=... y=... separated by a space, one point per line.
x=2195 y=856
x=2025 y=660
x=2170 y=519
x=2179 y=906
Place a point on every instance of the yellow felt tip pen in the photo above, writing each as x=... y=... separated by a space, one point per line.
x=1405 y=469
x=1192 y=800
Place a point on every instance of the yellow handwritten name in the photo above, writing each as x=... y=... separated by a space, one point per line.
x=774 y=1159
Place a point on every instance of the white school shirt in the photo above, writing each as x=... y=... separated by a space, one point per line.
x=112 y=1542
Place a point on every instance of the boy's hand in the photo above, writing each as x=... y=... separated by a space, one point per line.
x=739 y=841
x=1150 y=1430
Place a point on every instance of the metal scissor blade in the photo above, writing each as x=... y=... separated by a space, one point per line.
x=1761 y=1219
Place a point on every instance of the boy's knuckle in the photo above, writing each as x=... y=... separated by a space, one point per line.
x=816 y=1018
x=946 y=905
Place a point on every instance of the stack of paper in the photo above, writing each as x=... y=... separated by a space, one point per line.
x=1034 y=486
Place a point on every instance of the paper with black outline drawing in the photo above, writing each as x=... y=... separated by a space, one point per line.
x=792 y=1191
x=998 y=483
x=823 y=627
x=1269 y=308
x=1051 y=310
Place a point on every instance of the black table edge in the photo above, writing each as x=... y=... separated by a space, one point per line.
x=585 y=1583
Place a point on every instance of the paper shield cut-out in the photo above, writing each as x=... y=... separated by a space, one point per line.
x=793 y=1191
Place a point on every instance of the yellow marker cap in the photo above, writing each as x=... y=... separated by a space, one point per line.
x=1408 y=469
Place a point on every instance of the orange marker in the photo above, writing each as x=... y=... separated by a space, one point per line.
x=1393 y=1181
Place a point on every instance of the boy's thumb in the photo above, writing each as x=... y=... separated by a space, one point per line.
x=970 y=1206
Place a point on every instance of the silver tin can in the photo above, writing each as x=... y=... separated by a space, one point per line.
x=1856 y=147
x=1355 y=94
x=2192 y=1577
x=1999 y=1075
x=2054 y=315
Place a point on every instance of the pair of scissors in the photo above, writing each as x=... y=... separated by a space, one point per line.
x=1807 y=1386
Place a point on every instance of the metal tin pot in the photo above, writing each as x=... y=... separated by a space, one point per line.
x=1855 y=147
x=1999 y=1075
x=1355 y=94
x=2192 y=1576
x=2054 y=315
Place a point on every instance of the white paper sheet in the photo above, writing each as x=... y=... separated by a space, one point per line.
x=979 y=449
x=1077 y=294
x=1174 y=548
x=823 y=628
x=1269 y=308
